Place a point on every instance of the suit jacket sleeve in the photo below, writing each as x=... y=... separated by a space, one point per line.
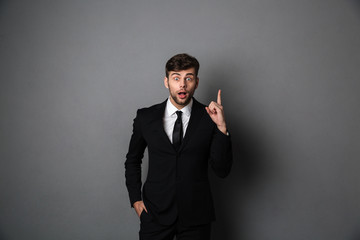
x=133 y=161
x=221 y=153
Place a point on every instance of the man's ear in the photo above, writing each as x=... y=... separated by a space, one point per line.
x=197 y=83
x=166 y=82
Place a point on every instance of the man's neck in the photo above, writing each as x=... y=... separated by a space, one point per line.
x=186 y=108
x=179 y=107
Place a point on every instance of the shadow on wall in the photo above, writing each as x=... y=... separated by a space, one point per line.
x=356 y=5
x=249 y=167
x=2 y=236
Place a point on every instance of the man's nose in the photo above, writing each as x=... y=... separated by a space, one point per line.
x=183 y=83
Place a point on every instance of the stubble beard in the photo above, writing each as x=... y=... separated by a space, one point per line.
x=174 y=96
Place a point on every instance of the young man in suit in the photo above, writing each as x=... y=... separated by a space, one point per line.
x=183 y=137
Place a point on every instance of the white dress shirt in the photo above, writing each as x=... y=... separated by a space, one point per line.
x=170 y=117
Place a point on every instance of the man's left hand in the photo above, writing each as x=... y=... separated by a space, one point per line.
x=216 y=112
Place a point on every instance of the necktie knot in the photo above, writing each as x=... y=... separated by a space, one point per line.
x=179 y=113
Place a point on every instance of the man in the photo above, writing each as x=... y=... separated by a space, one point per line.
x=183 y=136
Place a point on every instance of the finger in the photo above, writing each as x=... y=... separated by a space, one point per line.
x=215 y=107
x=219 y=97
x=208 y=110
x=142 y=207
x=138 y=208
x=138 y=212
x=212 y=108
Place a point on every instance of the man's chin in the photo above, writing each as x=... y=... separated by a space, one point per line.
x=183 y=102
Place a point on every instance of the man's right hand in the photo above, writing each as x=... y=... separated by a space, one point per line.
x=139 y=206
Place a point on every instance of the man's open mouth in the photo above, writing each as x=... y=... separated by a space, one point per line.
x=182 y=95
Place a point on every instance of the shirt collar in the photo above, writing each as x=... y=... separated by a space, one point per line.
x=171 y=109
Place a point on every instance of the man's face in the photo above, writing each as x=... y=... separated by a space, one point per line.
x=181 y=85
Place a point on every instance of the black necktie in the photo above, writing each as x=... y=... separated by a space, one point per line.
x=178 y=131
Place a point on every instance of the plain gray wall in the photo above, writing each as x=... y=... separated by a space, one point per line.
x=73 y=74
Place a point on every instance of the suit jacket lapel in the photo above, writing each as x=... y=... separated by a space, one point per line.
x=159 y=124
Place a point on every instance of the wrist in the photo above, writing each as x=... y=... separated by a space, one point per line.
x=222 y=129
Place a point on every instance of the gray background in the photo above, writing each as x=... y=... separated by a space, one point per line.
x=73 y=74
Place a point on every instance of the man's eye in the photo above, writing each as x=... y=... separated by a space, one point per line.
x=177 y=79
x=188 y=79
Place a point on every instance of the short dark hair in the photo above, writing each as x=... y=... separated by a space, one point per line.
x=182 y=61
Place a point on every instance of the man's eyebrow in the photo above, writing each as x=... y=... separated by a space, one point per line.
x=175 y=73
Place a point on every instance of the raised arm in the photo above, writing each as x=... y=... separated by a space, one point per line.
x=221 y=148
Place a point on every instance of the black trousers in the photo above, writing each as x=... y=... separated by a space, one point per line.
x=152 y=230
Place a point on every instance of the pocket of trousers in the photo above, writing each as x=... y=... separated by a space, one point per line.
x=144 y=216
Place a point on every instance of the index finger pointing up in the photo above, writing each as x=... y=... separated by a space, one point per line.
x=219 y=97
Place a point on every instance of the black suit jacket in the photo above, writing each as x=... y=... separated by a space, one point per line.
x=177 y=184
